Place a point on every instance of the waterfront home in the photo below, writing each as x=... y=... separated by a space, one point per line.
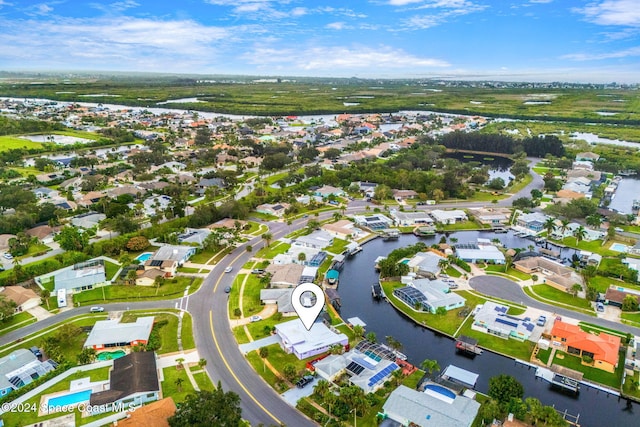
x=426 y=264
x=295 y=338
x=482 y=251
x=343 y=229
x=113 y=333
x=437 y=406
x=491 y=216
x=448 y=217
x=373 y=222
x=408 y=219
x=532 y=221
x=603 y=349
x=285 y=275
x=132 y=381
x=195 y=236
x=429 y=295
x=493 y=319
x=21 y=367
x=280 y=297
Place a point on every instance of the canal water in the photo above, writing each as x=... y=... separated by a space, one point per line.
x=596 y=408
x=626 y=193
x=498 y=166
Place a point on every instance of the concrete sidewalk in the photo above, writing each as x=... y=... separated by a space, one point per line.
x=168 y=360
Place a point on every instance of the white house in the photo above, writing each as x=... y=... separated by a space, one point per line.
x=448 y=217
x=407 y=219
x=296 y=339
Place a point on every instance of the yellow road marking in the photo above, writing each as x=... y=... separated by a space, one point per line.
x=224 y=360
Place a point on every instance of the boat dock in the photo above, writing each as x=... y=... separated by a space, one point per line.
x=468 y=345
x=390 y=234
x=561 y=377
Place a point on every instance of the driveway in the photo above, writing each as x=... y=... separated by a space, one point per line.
x=263 y=342
x=293 y=395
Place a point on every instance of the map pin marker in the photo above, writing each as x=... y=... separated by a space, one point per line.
x=307 y=299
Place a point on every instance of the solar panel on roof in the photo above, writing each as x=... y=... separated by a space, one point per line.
x=506 y=322
x=156 y=263
x=355 y=368
x=364 y=363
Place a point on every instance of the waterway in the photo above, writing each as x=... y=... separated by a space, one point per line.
x=626 y=192
x=498 y=166
x=596 y=408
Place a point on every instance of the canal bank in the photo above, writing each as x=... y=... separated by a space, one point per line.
x=595 y=407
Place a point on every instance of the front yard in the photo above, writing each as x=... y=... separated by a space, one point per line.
x=171 y=288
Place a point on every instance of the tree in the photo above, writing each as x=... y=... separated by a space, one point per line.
x=138 y=243
x=358 y=331
x=371 y=337
x=564 y=224
x=430 y=366
x=290 y=371
x=7 y=309
x=263 y=352
x=503 y=387
x=209 y=408
x=594 y=220
x=302 y=257
x=267 y=237
x=393 y=343
x=178 y=383
x=70 y=239
x=575 y=289
x=579 y=233
x=382 y=192
x=536 y=194
x=332 y=153
x=322 y=388
x=203 y=136
x=441 y=311
x=630 y=303
x=45 y=294
x=86 y=356
x=496 y=184
x=550 y=225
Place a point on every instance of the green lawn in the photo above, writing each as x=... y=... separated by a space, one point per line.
x=170 y=388
x=240 y=335
x=168 y=333
x=203 y=380
x=337 y=247
x=543 y=355
x=602 y=283
x=631 y=318
x=201 y=257
x=35 y=250
x=510 y=271
x=256 y=361
x=234 y=295
x=188 y=341
x=463 y=225
x=592 y=374
x=593 y=246
x=513 y=348
x=11 y=142
x=188 y=270
x=630 y=387
x=589 y=327
x=110 y=270
x=251 y=297
x=276 y=248
x=171 y=288
x=553 y=294
x=16 y=321
x=453 y=272
x=519 y=185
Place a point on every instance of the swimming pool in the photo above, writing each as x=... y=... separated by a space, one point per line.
x=440 y=390
x=144 y=256
x=69 y=399
x=619 y=247
x=109 y=355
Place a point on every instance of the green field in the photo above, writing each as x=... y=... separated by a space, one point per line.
x=171 y=288
x=552 y=294
x=10 y=142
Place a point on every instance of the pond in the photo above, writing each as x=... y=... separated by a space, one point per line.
x=596 y=408
x=498 y=166
x=626 y=193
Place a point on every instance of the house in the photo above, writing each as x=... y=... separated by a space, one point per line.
x=88 y=220
x=587 y=156
x=277 y=209
x=448 y=217
x=90 y=198
x=400 y=195
x=364 y=371
x=295 y=338
x=21 y=367
x=425 y=264
x=195 y=236
x=148 y=277
x=367 y=188
x=133 y=381
x=318 y=239
x=44 y=193
x=603 y=349
x=24 y=298
x=293 y=256
x=409 y=219
x=429 y=295
x=493 y=319
x=343 y=229
x=433 y=407
x=205 y=183
x=555 y=274
x=78 y=277
x=373 y=222
x=155 y=205
x=532 y=221
x=168 y=258
x=491 y=216
x=154 y=414
x=482 y=251
x=285 y=275
x=327 y=190
x=112 y=333
x=44 y=233
x=615 y=295
x=280 y=297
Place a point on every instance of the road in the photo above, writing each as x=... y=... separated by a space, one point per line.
x=213 y=336
x=506 y=289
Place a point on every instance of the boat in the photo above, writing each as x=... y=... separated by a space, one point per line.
x=468 y=345
x=390 y=234
x=635 y=206
x=424 y=231
x=376 y=290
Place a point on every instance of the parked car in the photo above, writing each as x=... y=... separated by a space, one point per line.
x=227 y=289
x=228 y=269
x=302 y=382
x=257 y=271
x=7 y=255
x=600 y=307
x=453 y=285
x=36 y=351
x=96 y=309
x=444 y=275
x=255 y=318
x=542 y=320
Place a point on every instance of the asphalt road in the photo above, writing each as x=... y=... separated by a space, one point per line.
x=508 y=290
x=213 y=336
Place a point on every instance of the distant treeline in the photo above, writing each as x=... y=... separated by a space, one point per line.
x=538 y=146
x=10 y=127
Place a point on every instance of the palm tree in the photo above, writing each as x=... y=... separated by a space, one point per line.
x=45 y=294
x=550 y=225
x=202 y=363
x=430 y=366
x=358 y=331
x=267 y=238
x=594 y=220
x=179 y=382
x=337 y=216
x=322 y=388
x=564 y=224
x=580 y=233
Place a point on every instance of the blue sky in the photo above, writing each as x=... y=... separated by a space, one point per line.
x=534 y=40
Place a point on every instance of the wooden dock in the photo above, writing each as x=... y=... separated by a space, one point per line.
x=468 y=345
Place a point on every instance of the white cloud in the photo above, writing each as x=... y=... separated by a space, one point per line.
x=634 y=51
x=540 y=1
x=340 y=59
x=115 y=7
x=336 y=26
x=43 y=9
x=612 y=12
x=421 y=22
